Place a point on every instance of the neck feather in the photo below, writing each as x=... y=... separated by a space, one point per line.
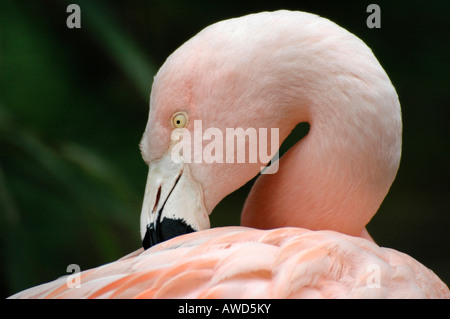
x=337 y=176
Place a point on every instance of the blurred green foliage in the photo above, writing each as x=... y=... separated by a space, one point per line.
x=74 y=103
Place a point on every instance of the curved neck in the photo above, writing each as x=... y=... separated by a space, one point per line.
x=337 y=176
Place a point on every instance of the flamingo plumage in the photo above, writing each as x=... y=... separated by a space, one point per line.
x=303 y=233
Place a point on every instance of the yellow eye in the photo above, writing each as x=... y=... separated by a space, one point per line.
x=180 y=120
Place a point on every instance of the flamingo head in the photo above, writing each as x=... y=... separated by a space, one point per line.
x=202 y=84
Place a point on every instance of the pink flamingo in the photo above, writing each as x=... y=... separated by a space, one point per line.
x=305 y=234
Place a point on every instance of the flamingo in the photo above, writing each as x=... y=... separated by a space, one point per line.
x=303 y=232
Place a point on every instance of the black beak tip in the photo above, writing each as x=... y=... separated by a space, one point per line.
x=146 y=242
x=168 y=228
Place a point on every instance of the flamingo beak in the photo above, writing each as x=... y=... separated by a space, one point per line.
x=173 y=202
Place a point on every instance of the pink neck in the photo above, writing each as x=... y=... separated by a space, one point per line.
x=307 y=192
x=336 y=177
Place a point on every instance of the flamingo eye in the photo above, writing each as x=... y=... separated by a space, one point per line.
x=180 y=120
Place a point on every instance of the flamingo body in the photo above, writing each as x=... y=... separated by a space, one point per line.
x=277 y=263
x=268 y=70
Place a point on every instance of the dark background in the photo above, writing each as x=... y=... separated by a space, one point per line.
x=74 y=104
